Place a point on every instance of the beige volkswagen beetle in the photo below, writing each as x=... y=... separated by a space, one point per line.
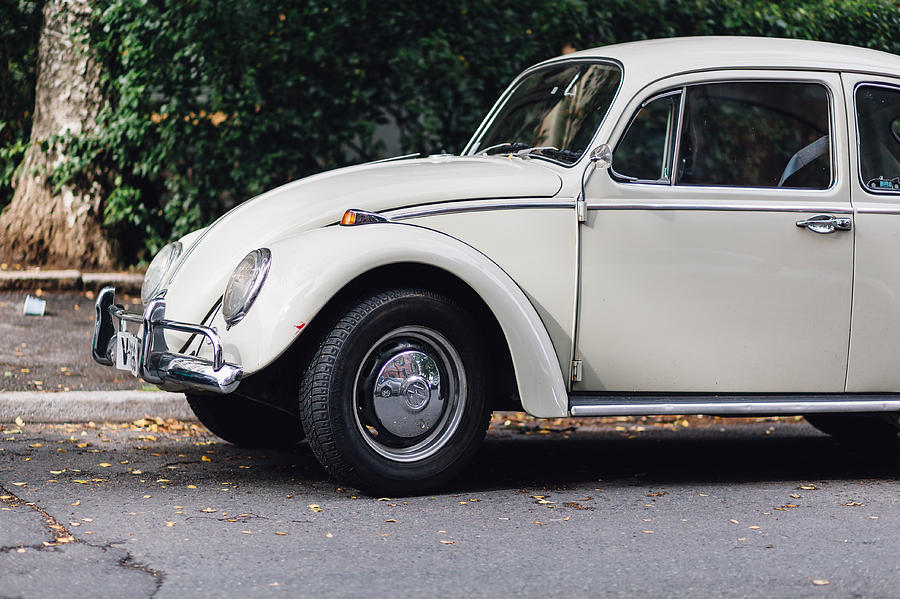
x=681 y=226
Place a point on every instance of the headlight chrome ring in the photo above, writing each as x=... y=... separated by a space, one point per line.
x=158 y=269
x=244 y=284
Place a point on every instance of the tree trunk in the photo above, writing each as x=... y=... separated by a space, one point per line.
x=43 y=226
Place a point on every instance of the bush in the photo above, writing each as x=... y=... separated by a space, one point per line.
x=214 y=101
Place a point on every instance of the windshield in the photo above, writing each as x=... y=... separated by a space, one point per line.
x=553 y=112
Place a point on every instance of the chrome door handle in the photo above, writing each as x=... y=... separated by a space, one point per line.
x=825 y=223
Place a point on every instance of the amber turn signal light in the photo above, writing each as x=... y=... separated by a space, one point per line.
x=361 y=217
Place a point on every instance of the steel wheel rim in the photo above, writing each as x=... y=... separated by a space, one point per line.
x=395 y=439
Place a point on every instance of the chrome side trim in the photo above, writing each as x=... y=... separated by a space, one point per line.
x=718 y=207
x=626 y=405
x=878 y=210
x=481 y=208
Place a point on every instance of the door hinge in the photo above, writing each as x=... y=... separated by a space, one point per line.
x=576 y=371
x=581 y=209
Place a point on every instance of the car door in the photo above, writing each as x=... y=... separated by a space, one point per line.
x=717 y=252
x=874 y=105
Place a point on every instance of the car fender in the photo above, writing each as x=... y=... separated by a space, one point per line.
x=309 y=269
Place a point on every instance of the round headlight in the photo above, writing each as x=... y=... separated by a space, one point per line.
x=244 y=284
x=157 y=270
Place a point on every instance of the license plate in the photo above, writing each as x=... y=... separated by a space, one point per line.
x=128 y=352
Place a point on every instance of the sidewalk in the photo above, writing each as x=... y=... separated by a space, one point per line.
x=68 y=280
x=87 y=406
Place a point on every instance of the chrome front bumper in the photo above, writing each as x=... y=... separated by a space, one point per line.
x=170 y=370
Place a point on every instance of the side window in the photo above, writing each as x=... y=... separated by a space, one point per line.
x=645 y=151
x=756 y=134
x=878 y=126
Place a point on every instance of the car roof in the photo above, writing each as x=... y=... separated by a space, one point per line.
x=658 y=58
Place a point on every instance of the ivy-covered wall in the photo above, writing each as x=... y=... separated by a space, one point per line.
x=213 y=101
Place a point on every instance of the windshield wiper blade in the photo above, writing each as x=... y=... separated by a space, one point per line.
x=528 y=151
x=511 y=146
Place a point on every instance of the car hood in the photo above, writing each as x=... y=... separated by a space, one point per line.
x=200 y=275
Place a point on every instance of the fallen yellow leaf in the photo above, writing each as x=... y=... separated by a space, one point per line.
x=314 y=507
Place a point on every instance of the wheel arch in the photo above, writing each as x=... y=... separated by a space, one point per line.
x=311 y=294
x=503 y=391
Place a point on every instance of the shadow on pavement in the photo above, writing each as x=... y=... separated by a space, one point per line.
x=740 y=454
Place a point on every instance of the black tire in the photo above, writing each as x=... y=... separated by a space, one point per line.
x=427 y=431
x=859 y=428
x=246 y=423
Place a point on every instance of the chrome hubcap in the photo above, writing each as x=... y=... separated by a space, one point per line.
x=410 y=394
x=407 y=394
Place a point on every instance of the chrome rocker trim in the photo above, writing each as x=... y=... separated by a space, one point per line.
x=730 y=405
x=170 y=370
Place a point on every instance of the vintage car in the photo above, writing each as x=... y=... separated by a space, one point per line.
x=679 y=226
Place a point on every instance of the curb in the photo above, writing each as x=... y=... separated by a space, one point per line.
x=67 y=280
x=96 y=406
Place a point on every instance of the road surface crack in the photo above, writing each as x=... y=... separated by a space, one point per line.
x=62 y=536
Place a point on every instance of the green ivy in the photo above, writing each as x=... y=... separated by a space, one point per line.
x=214 y=101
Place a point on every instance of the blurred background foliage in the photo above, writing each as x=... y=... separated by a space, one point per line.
x=213 y=101
x=21 y=24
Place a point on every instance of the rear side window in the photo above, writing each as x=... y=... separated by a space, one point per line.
x=756 y=134
x=878 y=127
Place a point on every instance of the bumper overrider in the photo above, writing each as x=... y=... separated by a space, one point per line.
x=156 y=364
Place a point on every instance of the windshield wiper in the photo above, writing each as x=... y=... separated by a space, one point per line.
x=528 y=151
x=510 y=146
x=550 y=153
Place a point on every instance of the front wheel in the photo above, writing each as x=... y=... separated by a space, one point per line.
x=393 y=401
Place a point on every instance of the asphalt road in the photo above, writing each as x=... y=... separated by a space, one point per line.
x=614 y=509
x=52 y=352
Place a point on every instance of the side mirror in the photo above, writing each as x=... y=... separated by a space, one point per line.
x=601 y=157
